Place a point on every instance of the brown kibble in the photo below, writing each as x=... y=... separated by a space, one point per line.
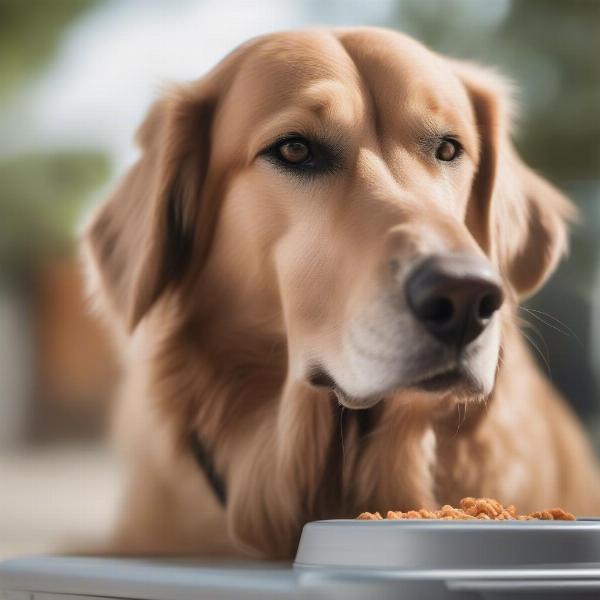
x=467 y=503
x=367 y=516
x=484 y=509
x=543 y=515
x=558 y=514
x=413 y=514
x=553 y=514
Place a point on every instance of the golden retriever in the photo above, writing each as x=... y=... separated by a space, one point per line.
x=312 y=273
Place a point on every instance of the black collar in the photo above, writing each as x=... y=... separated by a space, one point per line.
x=204 y=459
x=207 y=466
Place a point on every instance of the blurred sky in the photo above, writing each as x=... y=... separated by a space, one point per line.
x=114 y=60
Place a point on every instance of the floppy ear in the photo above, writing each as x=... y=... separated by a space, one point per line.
x=140 y=240
x=519 y=219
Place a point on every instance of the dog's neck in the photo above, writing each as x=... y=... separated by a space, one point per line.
x=213 y=380
x=229 y=388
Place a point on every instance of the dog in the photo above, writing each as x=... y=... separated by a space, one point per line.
x=312 y=274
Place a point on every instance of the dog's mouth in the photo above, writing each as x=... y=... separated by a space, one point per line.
x=443 y=380
x=319 y=377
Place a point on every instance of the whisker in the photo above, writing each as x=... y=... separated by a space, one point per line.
x=539 y=352
x=525 y=324
x=567 y=331
x=552 y=317
x=458 y=424
x=541 y=319
x=535 y=330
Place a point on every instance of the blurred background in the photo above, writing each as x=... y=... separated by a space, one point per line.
x=76 y=77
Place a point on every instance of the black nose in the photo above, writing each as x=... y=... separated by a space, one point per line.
x=454 y=296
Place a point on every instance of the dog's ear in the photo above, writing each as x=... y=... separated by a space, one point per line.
x=518 y=218
x=140 y=241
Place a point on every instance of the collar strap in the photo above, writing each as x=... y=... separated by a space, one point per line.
x=205 y=461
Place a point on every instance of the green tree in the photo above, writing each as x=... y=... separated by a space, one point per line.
x=550 y=48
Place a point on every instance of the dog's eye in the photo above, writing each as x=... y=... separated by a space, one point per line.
x=448 y=150
x=294 y=152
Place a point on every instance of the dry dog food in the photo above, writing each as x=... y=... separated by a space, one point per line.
x=473 y=508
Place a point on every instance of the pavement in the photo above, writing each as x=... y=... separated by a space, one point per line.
x=58 y=498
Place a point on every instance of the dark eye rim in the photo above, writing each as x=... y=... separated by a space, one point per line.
x=459 y=149
x=322 y=157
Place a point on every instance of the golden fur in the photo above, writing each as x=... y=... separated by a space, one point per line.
x=223 y=277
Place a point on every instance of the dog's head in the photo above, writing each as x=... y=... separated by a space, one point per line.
x=350 y=192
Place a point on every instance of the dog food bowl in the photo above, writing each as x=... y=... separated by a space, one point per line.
x=437 y=544
x=488 y=560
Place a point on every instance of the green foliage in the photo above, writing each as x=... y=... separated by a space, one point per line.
x=41 y=194
x=550 y=48
x=41 y=199
x=29 y=33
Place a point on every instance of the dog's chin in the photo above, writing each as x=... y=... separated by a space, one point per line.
x=353 y=402
x=320 y=378
x=455 y=380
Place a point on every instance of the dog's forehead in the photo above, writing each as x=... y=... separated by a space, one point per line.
x=392 y=67
x=281 y=67
x=401 y=71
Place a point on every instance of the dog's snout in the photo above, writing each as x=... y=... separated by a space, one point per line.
x=454 y=296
